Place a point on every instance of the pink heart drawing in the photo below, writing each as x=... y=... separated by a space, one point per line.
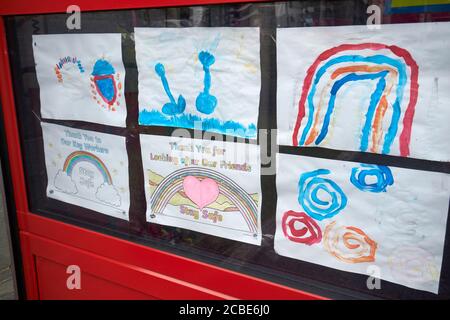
x=201 y=192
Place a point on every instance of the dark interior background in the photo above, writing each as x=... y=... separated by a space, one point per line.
x=258 y=261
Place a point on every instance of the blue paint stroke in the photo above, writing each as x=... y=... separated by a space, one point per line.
x=172 y=107
x=310 y=184
x=382 y=173
x=106 y=88
x=156 y=118
x=80 y=66
x=375 y=97
x=377 y=59
x=205 y=102
x=102 y=68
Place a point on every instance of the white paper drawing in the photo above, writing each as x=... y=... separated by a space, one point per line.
x=203 y=78
x=351 y=216
x=81 y=77
x=383 y=91
x=88 y=169
x=202 y=185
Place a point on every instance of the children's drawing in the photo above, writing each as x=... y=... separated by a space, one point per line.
x=341 y=65
x=202 y=78
x=67 y=62
x=200 y=188
x=87 y=168
x=89 y=77
x=195 y=185
x=105 y=85
x=363 y=96
x=382 y=175
x=362 y=214
x=419 y=263
x=205 y=102
x=349 y=244
x=201 y=191
x=309 y=231
x=310 y=185
x=106 y=192
x=170 y=108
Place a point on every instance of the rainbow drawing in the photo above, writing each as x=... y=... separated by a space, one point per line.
x=391 y=104
x=82 y=156
x=173 y=183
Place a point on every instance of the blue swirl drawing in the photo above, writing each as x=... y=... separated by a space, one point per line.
x=205 y=102
x=320 y=207
x=382 y=174
x=170 y=108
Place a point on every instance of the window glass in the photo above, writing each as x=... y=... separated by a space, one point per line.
x=261 y=261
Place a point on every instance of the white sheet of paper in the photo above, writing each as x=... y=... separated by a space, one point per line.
x=81 y=77
x=399 y=231
x=206 y=78
x=313 y=64
x=87 y=168
x=207 y=186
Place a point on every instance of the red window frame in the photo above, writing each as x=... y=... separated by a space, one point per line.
x=145 y=267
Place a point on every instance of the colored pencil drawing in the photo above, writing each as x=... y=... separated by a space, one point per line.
x=203 y=191
x=349 y=244
x=105 y=83
x=81 y=77
x=419 y=263
x=301 y=228
x=343 y=91
x=173 y=112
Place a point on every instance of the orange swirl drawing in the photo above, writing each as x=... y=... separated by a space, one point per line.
x=349 y=244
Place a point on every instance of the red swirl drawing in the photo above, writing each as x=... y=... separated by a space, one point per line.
x=308 y=234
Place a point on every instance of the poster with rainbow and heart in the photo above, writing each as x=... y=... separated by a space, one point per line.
x=81 y=77
x=87 y=168
x=207 y=186
x=384 y=91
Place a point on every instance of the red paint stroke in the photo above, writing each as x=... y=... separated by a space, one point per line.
x=301 y=235
x=405 y=136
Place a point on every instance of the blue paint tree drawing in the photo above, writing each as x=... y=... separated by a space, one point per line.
x=172 y=107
